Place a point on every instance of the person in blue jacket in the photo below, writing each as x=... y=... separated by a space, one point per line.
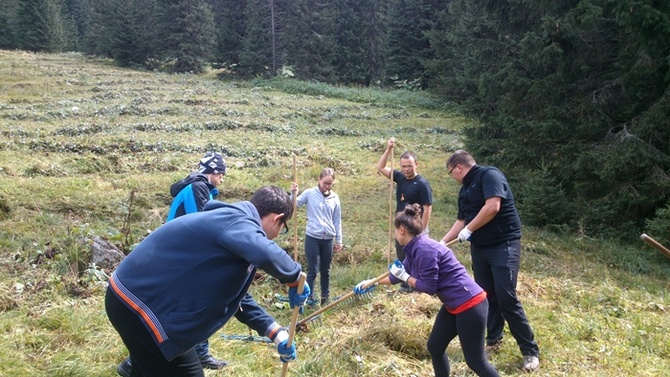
x=431 y=267
x=190 y=195
x=192 y=192
x=191 y=275
x=323 y=234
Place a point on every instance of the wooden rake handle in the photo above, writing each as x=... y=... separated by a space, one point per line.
x=653 y=243
x=343 y=298
x=294 y=320
x=350 y=294
x=295 y=214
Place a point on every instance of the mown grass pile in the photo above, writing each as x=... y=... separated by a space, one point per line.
x=88 y=149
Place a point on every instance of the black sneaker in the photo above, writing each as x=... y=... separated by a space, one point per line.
x=209 y=362
x=312 y=302
x=492 y=347
x=125 y=368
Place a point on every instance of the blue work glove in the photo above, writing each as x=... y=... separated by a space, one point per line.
x=464 y=235
x=359 y=290
x=295 y=299
x=286 y=353
x=397 y=269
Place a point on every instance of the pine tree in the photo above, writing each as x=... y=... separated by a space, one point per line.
x=189 y=36
x=42 y=26
x=230 y=21
x=256 y=54
x=579 y=85
x=8 y=14
x=408 y=47
x=308 y=39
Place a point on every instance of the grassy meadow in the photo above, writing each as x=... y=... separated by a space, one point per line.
x=89 y=149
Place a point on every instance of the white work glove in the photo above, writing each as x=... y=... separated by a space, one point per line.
x=464 y=234
x=398 y=270
x=443 y=243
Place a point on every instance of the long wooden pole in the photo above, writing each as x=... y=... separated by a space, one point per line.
x=391 y=212
x=655 y=244
x=295 y=212
x=294 y=321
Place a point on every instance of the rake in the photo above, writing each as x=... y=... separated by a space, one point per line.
x=247 y=338
x=294 y=320
x=350 y=297
x=391 y=212
x=295 y=213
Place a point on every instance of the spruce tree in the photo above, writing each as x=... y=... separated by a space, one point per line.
x=189 y=35
x=408 y=47
x=256 y=54
x=41 y=26
x=308 y=39
x=230 y=21
x=579 y=86
x=8 y=27
x=351 y=44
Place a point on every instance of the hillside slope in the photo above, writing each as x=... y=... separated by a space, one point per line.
x=88 y=149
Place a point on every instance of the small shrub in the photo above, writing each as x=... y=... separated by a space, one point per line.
x=659 y=226
x=5 y=208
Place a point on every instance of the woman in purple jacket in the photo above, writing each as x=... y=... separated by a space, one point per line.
x=431 y=267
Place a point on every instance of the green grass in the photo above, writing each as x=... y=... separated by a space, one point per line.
x=78 y=136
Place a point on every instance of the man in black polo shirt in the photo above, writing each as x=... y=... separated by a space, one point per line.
x=411 y=188
x=487 y=217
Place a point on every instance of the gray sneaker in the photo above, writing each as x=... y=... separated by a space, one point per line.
x=531 y=363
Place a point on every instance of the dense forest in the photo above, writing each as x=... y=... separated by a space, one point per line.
x=571 y=97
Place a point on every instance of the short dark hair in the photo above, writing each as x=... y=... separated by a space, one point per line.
x=408 y=155
x=460 y=157
x=272 y=199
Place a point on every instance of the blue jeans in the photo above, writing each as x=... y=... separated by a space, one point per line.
x=319 y=255
x=496 y=268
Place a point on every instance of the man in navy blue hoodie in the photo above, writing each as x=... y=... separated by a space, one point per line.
x=191 y=275
x=190 y=195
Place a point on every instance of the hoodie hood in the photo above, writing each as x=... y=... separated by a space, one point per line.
x=193 y=177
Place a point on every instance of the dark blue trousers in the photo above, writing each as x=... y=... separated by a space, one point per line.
x=319 y=255
x=496 y=268
x=147 y=359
